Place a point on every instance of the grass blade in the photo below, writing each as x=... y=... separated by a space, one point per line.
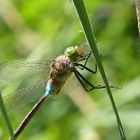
x=5 y=118
x=81 y=10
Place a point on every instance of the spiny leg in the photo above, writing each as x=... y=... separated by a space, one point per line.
x=82 y=79
x=85 y=57
x=79 y=79
x=82 y=67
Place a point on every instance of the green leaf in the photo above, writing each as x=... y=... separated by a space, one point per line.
x=82 y=13
x=5 y=118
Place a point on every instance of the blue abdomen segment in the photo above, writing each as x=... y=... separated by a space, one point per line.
x=49 y=89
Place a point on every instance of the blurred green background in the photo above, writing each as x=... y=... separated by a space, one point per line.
x=31 y=30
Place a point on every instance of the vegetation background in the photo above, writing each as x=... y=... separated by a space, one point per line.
x=31 y=30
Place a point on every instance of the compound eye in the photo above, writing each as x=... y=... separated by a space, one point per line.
x=70 y=50
x=71 y=53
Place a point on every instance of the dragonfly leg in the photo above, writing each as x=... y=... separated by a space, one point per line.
x=85 y=57
x=82 y=67
x=83 y=81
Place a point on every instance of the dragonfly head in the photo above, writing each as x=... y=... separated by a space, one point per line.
x=74 y=52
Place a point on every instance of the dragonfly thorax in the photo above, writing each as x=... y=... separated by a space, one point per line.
x=62 y=64
x=61 y=69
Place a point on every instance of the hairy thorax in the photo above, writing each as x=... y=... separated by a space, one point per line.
x=61 y=69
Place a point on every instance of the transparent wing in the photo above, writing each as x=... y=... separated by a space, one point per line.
x=72 y=84
x=12 y=71
x=33 y=92
x=25 y=95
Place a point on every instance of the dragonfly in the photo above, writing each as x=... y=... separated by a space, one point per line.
x=60 y=69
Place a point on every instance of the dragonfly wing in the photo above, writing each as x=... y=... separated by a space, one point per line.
x=25 y=95
x=71 y=85
x=11 y=71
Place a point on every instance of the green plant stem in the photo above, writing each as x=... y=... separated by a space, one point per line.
x=5 y=118
x=81 y=10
